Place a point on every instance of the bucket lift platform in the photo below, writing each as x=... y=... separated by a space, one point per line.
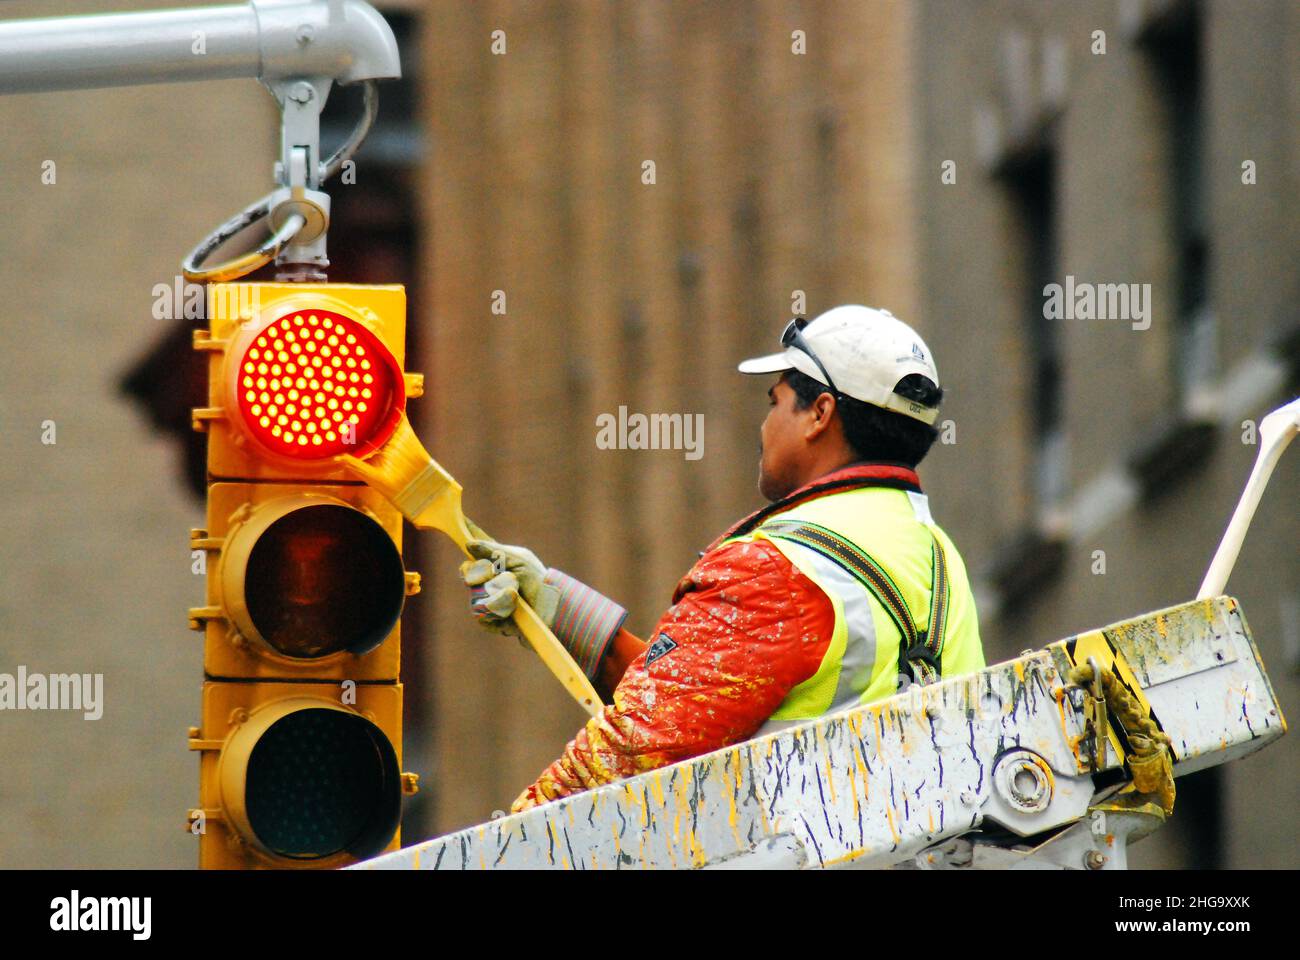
x=1056 y=759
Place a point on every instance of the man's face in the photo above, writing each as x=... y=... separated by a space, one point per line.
x=782 y=443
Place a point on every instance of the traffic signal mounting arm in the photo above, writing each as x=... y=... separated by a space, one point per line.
x=297 y=48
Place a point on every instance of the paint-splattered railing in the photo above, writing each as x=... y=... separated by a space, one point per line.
x=877 y=785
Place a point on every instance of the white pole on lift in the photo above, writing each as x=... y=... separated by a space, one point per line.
x=1275 y=432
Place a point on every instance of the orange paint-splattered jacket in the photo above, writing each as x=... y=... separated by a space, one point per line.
x=745 y=627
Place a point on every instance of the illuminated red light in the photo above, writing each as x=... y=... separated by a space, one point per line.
x=315 y=384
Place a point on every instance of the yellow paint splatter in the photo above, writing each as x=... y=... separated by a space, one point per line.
x=657 y=786
x=731 y=814
x=853 y=855
x=694 y=850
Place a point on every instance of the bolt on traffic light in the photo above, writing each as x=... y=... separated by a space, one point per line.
x=300 y=738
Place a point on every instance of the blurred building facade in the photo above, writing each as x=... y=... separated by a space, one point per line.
x=646 y=192
x=605 y=205
x=945 y=159
x=1098 y=460
x=103 y=192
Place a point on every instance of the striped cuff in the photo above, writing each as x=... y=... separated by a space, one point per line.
x=585 y=621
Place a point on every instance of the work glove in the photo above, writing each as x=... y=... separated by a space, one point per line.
x=498 y=576
x=582 y=619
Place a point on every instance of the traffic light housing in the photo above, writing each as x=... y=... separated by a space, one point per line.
x=300 y=738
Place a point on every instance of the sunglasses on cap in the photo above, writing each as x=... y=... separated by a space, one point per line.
x=791 y=337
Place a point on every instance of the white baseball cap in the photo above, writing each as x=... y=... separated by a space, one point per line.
x=858 y=351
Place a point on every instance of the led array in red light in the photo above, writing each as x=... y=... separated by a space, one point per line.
x=315 y=384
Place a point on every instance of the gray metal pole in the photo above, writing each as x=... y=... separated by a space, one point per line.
x=344 y=40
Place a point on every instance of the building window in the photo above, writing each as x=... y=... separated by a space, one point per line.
x=1030 y=179
x=1172 y=43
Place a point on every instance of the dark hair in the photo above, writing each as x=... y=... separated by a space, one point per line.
x=873 y=432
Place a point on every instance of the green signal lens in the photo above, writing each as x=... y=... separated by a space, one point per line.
x=321 y=782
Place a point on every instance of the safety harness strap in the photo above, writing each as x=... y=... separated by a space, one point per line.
x=920 y=651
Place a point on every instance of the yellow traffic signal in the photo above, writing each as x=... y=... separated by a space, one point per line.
x=301 y=730
x=290 y=776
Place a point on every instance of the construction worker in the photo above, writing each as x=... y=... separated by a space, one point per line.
x=799 y=610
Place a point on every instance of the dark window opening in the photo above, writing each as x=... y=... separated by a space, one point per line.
x=1031 y=183
x=1173 y=47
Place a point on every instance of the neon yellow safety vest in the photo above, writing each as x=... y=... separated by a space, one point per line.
x=883 y=562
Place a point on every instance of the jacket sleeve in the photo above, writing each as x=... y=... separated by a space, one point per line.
x=745 y=627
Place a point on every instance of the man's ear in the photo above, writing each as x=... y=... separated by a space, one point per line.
x=823 y=409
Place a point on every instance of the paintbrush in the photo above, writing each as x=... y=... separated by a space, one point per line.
x=430 y=498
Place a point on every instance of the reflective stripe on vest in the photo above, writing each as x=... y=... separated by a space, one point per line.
x=845 y=670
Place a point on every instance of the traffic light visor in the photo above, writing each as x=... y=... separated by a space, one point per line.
x=305 y=779
x=320 y=577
